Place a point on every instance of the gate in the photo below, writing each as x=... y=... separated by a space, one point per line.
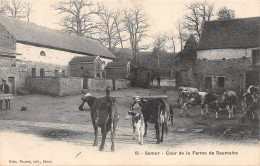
x=252 y=77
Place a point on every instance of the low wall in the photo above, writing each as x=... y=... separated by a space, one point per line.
x=121 y=84
x=55 y=86
x=99 y=84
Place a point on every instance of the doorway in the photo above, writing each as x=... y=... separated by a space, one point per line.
x=208 y=84
x=11 y=83
x=252 y=78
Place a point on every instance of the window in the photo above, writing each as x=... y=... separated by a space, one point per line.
x=221 y=82
x=256 y=57
x=42 y=72
x=33 y=72
x=42 y=53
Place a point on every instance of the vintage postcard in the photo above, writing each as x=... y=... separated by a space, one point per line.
x=128 y=82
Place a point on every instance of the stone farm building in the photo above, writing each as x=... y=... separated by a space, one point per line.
x=118 y=70
x=229 y=55
x=44 y=52
x=87 y=66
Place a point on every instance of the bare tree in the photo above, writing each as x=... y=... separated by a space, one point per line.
x=77 y=17
x=119 y=27
x=109 y=28
x=225 y=14
x=28 y=10
x=182 y=35
x=198 y=13
x=171 y=37
x=159 y=45
x=3 y=7
x=137 y=27
x=15 y=9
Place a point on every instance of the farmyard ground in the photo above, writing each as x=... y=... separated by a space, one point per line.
x=54 y=132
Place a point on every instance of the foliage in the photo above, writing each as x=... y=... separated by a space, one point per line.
x=225 y=14
x=190 y=50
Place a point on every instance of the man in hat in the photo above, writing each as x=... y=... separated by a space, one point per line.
x=4 y=88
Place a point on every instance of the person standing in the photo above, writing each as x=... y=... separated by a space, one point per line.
x=5 y=89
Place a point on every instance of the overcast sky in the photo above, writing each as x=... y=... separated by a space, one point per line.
x=162 y=14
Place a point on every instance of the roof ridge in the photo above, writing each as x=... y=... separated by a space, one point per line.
x=48 y=28
x=258 y=17
x=53 y=38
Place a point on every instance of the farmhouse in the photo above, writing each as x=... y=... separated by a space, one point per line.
x=45 y=52
x=228 y=56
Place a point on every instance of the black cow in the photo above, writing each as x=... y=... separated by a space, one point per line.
x=104 y=114
x=154 y=111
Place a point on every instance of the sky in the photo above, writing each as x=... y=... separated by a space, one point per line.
x=162 y=14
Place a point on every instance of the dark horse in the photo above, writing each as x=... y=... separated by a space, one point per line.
x=154 y=111
x=104 y=114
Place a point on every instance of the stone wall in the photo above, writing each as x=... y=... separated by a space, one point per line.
x=99 y=84
x=233 y=71
x=121 y=84
x=55 y=86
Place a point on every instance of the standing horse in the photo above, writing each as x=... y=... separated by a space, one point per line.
x=104 y=114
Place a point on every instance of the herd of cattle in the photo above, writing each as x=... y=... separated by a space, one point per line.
x=104 y=113
x=229 y=101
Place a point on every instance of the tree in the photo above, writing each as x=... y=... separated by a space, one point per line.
x=225 y=14
x=159 y=45
x=171 y=37
x=136 y=25
x=109 y=28
x=77 y=17
x=3 y=7
x=15 y=9
x=190 y=49
x=182 y=35
x=198 y=13
x=28 y=10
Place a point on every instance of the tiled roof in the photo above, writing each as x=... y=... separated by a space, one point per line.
x=235 y=33
x=31 y=33
x=117 y=64
x=83 y=59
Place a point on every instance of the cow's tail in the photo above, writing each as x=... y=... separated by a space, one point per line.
x=166 y=114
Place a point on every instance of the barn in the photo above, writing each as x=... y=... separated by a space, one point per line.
x=45 y=52
x=229 y=55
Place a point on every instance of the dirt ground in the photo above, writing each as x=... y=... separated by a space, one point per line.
x=54 y=124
